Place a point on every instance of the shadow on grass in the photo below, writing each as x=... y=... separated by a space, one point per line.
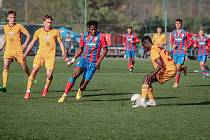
x=198 y=86
x=186 y=104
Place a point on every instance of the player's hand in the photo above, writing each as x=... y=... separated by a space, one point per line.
x=24 y=45
x=69 y=63
x=24 y=58
x=98 y=64
x=174 y=46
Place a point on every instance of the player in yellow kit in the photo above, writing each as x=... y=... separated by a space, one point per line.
x=47 y=37
x=159 y=38
x=165 y=69
x=13 y=47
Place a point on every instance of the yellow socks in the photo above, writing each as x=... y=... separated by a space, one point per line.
x=144 y=90
x=5 y=77
x=48 y=82
x=150 y=94
x=30 y=82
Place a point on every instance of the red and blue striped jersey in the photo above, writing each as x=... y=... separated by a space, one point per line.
x=129 y=41
x=181 y=40
x=92 y=46
x=202 y=43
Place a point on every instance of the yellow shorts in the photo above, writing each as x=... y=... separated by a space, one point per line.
x=16 y=55
x=166 y=74
x=41 y=59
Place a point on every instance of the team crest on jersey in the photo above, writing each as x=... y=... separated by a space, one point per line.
x=11 y=33
x=47 y=38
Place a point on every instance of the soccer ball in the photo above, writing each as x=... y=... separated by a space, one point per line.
x=135 y=99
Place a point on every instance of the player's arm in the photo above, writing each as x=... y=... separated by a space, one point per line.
x=136 y=39
x=98 y=63
x=152 y=75
x=164 y=40
x=3 y=42
x=30 y=46
x=26 y=33
x=189 y=40
x=61 y=45
x=172 y=41
x=105 y=50
x=78 y=52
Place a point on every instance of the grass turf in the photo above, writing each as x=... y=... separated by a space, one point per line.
x=105 y=110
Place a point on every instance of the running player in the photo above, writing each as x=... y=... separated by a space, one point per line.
x=91 y=44
x=13 y=47
x=180 y=39
x=159 y=38
x=165 y=69
x=202 y=42
x=47 y=37
x=129 y=42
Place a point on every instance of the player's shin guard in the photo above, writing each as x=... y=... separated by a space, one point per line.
x=69 y=85
x=150 y=94
x=144 y=91
x=5 y=77
x=30 y=82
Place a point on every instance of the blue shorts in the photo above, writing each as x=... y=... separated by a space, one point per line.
x=87 y=67
x=202 y=58
x=179 y=58
x=130 y=54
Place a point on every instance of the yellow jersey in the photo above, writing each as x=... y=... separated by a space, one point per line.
x=158 y=39
x=47 y=40
x=13 y=37
x=159 y=52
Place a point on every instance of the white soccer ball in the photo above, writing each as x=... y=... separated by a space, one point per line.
x=135 y=99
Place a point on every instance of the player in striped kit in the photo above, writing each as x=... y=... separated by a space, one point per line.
x=180 y=41
x=91 y=44
x=129 y=42
x=202 y=42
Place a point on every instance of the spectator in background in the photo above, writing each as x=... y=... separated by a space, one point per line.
x=68 y=44
x=159 y=38
x=129 y=42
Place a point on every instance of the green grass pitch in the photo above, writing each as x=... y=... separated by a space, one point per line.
x=105 y=110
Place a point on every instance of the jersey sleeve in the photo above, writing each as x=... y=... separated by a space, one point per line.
x=164 y=38
x=103 y=41
x=23 y=29
x=58 y=35
x=153 y=38
x=36 y=34
x=154 y=54
x=189 y=39
x=208 y=42
x=172 y=38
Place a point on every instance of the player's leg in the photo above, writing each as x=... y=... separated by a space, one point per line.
x=38 y=61
x=48 y=81
x=70 y=83
x=179 y=67
x=22 y=62
x=147 y=88
x=132 y=60
x=87 y=76
x=31 y=81
x=5 y=74
x=177 y=77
